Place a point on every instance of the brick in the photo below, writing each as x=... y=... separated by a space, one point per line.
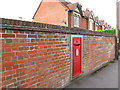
x=15 y=66
x=21 y=36
x=7 y=50
x=32 y=36
x=32 y=55
x=21 y=61
x=26 y=48
x=8 y=40
x=8 y=44
x=8 y=35
x=20 y=70
x=22 y=40
x=26 y=56
x=9 y=68
x=15 y=48
x=21 y=48
x=21 y=53
x=8 y=72
x=14 y=58
x=8 y=54
x=20 y=44
x=8 y=58
x=31 y=48
x=32 y=52
x=49 y=36
x=31 y=44
x=20 y=57
x=33 y=40
x=5 y=64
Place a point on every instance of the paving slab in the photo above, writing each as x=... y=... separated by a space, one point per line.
x=107 y=77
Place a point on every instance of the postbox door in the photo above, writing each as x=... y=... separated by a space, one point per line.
x=77 y=56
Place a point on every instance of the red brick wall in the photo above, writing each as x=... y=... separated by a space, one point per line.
x=71 y=19
x=84 y=23
x=52 y=13
x=35 y=59
x=97 y=50
x=39 y=59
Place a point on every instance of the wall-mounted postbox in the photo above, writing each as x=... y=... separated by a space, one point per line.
x=77 y=56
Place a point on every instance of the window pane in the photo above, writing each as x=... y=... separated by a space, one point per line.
x=78 y=21
x=96 y=27
x=75 y=20
x=91 y=26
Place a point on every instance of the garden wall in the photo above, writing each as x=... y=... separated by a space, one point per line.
x=36 y=55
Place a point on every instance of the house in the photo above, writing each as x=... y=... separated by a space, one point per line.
x=102 y=23
x=91 y=19
x=65 y=13
x=106 y=25
x=97 y=23
x=61 y=12
x=109 y=27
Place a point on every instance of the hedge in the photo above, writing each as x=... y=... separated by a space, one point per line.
x=112 y=31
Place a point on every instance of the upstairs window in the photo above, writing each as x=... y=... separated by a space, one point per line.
x=103 y=28
x=78 y=21
x=75 y=20
x=91 y=25
x=96 y=27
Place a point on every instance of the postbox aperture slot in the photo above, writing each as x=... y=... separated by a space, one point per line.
x=77 y=44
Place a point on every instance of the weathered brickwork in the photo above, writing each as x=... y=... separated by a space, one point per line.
x=42 y=59
x=97 y=51
x=35 y=59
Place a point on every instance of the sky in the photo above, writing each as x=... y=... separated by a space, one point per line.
x=13 y=9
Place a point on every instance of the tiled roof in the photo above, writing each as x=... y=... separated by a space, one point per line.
x=69 y=5
x=102 y=22
x=87 y=13
x=72 y=6
x=64 y=2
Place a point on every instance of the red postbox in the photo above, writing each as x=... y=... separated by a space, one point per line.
x=77 y=56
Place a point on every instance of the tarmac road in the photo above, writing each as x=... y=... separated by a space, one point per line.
x=105 y=78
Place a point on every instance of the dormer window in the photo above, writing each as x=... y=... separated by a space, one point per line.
x=76 y=20
x=96 y=26
x=103 y=28
x=91 y=24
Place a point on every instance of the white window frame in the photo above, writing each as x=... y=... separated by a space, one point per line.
x=96 y=26
x=76 y=20
x=91 y=24
x=103 y=27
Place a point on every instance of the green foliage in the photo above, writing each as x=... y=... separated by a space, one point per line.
x=112 y=31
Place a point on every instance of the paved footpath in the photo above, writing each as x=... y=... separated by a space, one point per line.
x=105 y=78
